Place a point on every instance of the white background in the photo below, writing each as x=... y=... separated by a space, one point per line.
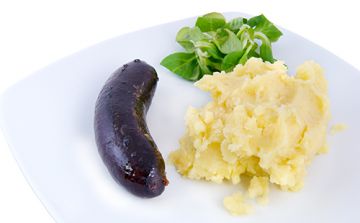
x=36 y=33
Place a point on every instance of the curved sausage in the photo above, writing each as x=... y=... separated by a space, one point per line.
x=122 y=136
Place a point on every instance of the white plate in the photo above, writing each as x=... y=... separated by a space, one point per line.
x=48 y=122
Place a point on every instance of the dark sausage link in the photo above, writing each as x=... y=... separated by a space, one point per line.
x=122 y=136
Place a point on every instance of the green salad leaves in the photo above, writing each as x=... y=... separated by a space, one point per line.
x=216 y=45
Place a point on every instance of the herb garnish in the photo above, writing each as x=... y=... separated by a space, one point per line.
x=216 y=45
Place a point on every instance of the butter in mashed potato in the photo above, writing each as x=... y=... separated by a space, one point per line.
x=261 y=123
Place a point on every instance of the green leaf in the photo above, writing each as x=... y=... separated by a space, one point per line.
x=266 y=53
x=214 y=64
x=183 y=64
x=261 y=24
x=187 y=36
x=243 y=59
x=231 y=60
x=235 y=24
x=210 y=22
x=211 y=35
x=249 y=52
x=265 y=48
x=252 y=52
x=202 y=61
x=210 y=49
x=214 y=45
x=227 y=41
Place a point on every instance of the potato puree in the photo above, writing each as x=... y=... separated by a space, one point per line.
x=262 y=123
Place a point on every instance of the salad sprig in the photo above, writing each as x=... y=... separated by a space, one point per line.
x=214 y=44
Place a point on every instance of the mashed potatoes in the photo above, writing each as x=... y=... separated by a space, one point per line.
x=337 y=128
x=262 y=124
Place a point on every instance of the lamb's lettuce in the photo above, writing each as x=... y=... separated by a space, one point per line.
x=214 y=45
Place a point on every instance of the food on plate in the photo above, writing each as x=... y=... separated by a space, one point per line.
x=237 y=205
x=122 y=136
x=215 y=44
x=261 y=124
x=337 y=128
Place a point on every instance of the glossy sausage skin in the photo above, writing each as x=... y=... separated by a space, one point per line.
x=122 y=136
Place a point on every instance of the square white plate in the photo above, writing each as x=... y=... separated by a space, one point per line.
x=48 y=122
